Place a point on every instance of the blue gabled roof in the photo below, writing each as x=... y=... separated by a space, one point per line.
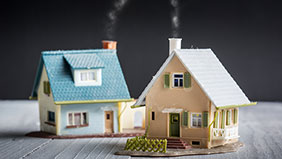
x=61 y=81
x=84 y=61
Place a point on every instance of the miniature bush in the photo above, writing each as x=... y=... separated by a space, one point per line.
x=140 y=143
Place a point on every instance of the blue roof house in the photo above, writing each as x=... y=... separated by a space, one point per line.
x=80 y=92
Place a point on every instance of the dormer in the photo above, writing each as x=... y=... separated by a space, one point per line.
x=86 y=69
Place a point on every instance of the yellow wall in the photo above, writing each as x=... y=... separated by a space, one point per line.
x=46 y=103
x=127 y=116
x=191 y=99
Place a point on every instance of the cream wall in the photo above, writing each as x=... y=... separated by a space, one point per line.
x=191 y=99
x=128 y=115
x=46 y=103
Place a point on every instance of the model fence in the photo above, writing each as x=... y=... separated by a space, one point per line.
x=140 y=143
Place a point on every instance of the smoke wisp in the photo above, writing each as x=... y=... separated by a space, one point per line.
x=175 y=18
x=113 y=17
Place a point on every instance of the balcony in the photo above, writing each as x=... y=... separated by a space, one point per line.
x=226 y=133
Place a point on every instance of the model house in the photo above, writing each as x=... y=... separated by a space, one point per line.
x=194 y=98
x=81 y=91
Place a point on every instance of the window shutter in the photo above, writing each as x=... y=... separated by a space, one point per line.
x=216 y=120
x=187 y=80
x=46 y=87
x=223 y=120
x=166 y=80
x=205 y=119
x=228 y=117
x=185 y=117
x=235 y=116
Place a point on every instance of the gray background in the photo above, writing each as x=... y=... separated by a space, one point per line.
x=245 y=35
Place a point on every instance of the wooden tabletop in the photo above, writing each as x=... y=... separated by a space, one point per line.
x=260 y=130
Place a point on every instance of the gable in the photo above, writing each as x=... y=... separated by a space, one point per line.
x=211 y=76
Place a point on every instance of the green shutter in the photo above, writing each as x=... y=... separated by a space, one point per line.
x=187 y=80
x=205 y=118
x=166 y=80
x=235 y=116
x=216 y=120
x=223 y=120
x=185 y=117
x=228 y=117
x=46 y=87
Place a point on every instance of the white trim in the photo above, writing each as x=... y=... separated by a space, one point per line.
x=81 y=118
x=191 y=121
x=173 y=78
x=87 y=82
x=172 y=110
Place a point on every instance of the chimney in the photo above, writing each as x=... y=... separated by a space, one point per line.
x=107 y=44
x=174 y=43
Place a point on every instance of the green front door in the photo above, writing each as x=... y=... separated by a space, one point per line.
x=174 y=124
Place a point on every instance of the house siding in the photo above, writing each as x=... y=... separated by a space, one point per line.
x=96 y=118
x=191 y=99
x=46 y=103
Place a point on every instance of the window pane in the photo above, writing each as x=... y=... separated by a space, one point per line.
x=178 y=75
x=70 y=119
x=91 y=76
x=84 y=118
x=176 y=82
x=199 y=122
x=51 y=116
x=83 y=76
x=77 y=119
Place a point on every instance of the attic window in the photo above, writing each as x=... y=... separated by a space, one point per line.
x=88 y=77
x=178 y=80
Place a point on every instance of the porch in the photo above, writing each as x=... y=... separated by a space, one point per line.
x=226 y=133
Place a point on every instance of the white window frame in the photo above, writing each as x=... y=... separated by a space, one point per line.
x=73 y=120
x=173 y=78
x=194 y=113
x=88 y=82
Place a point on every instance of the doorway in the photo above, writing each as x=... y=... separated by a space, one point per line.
x=109 y=122
x=174 y=125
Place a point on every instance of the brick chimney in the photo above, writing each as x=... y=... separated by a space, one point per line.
x=174 y=43
x=107 y=44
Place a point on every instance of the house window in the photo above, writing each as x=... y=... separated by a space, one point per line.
x=51 y=117
x=196 y=143
x=77 y=118
x=196 y=121
x=178 y=80
x=153 y=115
x=88 y=76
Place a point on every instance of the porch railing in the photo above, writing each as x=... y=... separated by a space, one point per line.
x=226 y=133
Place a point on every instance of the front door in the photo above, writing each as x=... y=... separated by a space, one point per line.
x=174 y=123
x=109 y=121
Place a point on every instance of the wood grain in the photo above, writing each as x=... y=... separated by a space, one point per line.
x=260 y=130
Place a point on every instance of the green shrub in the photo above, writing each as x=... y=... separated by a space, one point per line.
x=140 y=143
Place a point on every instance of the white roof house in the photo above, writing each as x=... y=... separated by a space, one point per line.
x=210 y=75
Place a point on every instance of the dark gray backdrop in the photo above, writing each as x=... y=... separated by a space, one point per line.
x=245 y=35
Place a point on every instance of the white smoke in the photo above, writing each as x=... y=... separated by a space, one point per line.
x=113 y=17
x=175 y=18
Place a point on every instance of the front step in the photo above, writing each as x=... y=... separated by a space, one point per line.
x=177 y=144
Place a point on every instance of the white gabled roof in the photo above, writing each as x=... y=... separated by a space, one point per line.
x=210 y=74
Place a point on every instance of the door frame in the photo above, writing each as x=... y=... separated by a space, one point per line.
x=170 y=130
x=112 y=119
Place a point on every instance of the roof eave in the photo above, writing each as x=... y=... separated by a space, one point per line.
x=235 y=106
x=93 y=101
